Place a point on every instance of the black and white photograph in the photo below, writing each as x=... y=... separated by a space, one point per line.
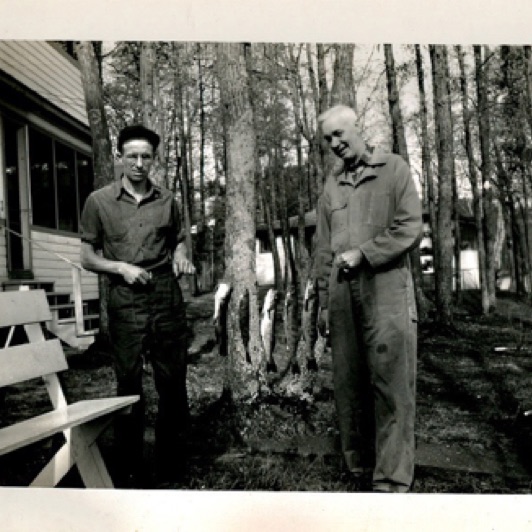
x=267 y=281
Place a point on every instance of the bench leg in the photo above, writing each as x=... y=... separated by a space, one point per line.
x=56 y=468
x=80 y=449
x=89 y=460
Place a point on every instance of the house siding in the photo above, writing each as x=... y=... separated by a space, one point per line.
x=3 y=251
x=41 y=68
x=48 y=267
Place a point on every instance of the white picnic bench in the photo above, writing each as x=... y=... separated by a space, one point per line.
x=81 y=423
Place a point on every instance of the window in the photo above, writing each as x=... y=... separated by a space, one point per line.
x=85 y=178
x=61 y=179
x=42 y=180
x=65 y=170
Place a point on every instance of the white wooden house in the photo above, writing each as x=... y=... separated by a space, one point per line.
x=45 y=173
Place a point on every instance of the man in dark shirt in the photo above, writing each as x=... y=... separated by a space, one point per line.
x=131 y=232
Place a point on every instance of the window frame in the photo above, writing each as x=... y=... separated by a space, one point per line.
x=77 y=151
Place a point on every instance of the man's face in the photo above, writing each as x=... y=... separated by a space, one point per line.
x=343 y=137
x=137 y=156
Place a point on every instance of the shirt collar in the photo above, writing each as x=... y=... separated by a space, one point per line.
x=363 y=160
x=119 y=189
x=363 y=168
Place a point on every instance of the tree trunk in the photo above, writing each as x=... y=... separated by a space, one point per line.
x=182 y=156
x=314 y=160
x=444 y=143
x=398 y=129
x=400 y=147
x=241 y=377
x=277 y=274
x=147 y=66
x=426 y=162
x=265 y=201
x=342 y=93
x=149 y=96
x=343 y=89
x=484 y=132
x=457 y=248
x=473 y=178
x=322 y=79
x=528 y=74
x=323 y=105
x=301 y=121
x=102 y=153
x=201 y=89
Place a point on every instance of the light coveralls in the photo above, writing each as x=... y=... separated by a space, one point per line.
x=372 y=314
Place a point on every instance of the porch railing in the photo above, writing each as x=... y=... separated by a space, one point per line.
x=77 y=294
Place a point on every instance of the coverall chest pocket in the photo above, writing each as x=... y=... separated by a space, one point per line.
x=339 y=215
x=378 y=205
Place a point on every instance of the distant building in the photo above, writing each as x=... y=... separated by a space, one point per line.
x=469 y=245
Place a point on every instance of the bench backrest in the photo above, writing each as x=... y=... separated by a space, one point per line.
x=37 y=358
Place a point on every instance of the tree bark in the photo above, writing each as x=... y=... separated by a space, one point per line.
x=473 y=178
x=201 y=89
x=444 y=143
x=400 y=147
x=486 y=170
x=102 y=153
x=342 y=93
x=457 y=248
x=426 y=162
x=149 y=97
x=241 y=377
x=343 y=89
x=182 y=155
x=323 y=105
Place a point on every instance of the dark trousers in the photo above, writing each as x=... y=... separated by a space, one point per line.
x=148 y=323
x=373 y=333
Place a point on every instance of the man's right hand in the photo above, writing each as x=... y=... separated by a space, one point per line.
x=323 y=322
x=133 y=274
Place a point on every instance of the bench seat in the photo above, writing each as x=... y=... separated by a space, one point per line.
x=41 y=427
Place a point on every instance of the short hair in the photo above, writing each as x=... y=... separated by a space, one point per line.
x=344 y=110
x=137 y=131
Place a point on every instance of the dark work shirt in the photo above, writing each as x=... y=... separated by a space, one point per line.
x=144 y=234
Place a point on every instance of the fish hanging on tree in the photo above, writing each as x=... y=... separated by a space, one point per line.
x=243 y=321
x=267 y=328
x=292 y=324
x=221 y=303
x=309 y=322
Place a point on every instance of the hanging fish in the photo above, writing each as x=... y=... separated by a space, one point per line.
x=267 y=328
x=309 y=319
x=221 y=303
x=243 y=321
x=292 y=326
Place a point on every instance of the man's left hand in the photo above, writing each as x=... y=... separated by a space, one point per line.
x=348 y=259
x=181 y=265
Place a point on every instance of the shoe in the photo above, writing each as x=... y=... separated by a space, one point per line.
x=388 y=489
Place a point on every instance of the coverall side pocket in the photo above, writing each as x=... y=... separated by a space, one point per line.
x=378 y=209
x=338 y=215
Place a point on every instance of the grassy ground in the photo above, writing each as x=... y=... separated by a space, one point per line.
x=470 y=397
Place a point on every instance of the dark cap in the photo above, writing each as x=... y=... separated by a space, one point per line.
x=135 y=132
